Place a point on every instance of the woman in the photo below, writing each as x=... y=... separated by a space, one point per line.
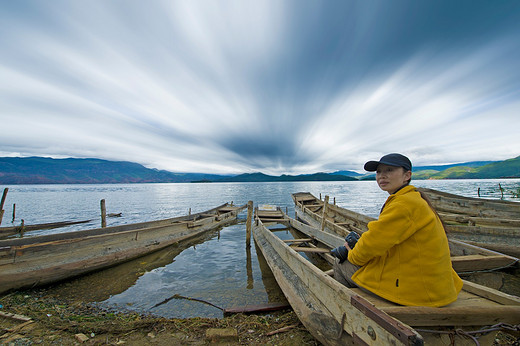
x=404 y=256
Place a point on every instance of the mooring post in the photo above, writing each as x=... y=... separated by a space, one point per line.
x=103 y=214
x=249 y=222
x=4 y=195
x=14 y=212
x=324 y=216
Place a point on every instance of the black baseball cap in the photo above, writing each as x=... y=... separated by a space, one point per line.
x=393 y=159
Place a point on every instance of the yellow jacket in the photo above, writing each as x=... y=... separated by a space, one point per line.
x=404 y=255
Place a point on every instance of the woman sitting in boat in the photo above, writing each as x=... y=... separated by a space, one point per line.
x=404 y=256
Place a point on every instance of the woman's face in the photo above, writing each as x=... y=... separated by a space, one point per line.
x=391 y=178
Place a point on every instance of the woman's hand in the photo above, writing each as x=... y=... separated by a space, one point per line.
x=348 y=247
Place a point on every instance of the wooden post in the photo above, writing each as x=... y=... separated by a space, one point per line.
x=103 y=214
x=320 y=196
x=324 y=216
x=14 y=212
x=334 y=200
x=248 y=223
x=4 y=195
x=189 y=211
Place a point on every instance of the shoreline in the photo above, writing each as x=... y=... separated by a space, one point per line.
x=56 y=320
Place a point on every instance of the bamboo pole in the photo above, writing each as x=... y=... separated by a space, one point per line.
x=324 y=216
x=4 y=195
x=103 y=214
x=248 y=223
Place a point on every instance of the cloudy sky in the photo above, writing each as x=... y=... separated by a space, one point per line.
x=275 y=86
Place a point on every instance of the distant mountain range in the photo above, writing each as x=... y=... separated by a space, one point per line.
x=42 y=170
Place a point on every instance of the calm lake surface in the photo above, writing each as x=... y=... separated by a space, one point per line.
x=216 y=267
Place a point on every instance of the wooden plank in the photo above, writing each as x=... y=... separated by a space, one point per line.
x=455 y=316
x=14 y=316
x=297 y=240
x=309 y=249
x=469 y=263
x=321 y=303
x=249 y=309
x=489 y=293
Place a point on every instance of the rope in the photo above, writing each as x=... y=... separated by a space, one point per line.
x=469 y=334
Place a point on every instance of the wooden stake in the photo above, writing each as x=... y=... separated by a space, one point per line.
x=324 y=216
x=103 y=214
x=4 y=195
x=248 y=223
x=14 y=212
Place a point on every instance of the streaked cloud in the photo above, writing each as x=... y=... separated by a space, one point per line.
x=272 y=86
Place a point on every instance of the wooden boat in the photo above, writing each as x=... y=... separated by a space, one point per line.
x=39 y=260
x=12 y=230
x=337 y=315
x=494 y=224
x=340 y=221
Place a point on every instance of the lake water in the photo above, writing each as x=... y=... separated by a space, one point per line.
x=216 y=267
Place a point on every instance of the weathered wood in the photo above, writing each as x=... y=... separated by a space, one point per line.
x=477 y=207
x=455 y=316
x=491 y=294
x=250 y=309
x=329 y=310
x=14 y=212
x=7 y=231
x=471 y=263
x=321 y=303
x=249 y=221
x=324 y=216
x=103 y=213
x=4 y=196
x=14 y=316
x=309 y=249
x=297 y=240
x=341 y=221
x=479 y=221
x=48 y=258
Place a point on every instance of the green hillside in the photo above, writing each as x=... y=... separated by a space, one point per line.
x=499 y=169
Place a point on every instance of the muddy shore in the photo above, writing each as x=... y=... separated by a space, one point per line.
x=54 y=321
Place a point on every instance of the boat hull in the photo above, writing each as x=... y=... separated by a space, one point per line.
x=325 y=306
x=34 y=261
x=339 y=221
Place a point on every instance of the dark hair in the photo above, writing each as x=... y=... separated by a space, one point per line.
x=423 y=195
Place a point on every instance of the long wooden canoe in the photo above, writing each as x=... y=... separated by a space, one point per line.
x=494 y=224
x=340 y=221
x=5 y=232
x=39 y=260
x=337 y=315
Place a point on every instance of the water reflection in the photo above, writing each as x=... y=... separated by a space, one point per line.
x=212 y=271
x=101 y=285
